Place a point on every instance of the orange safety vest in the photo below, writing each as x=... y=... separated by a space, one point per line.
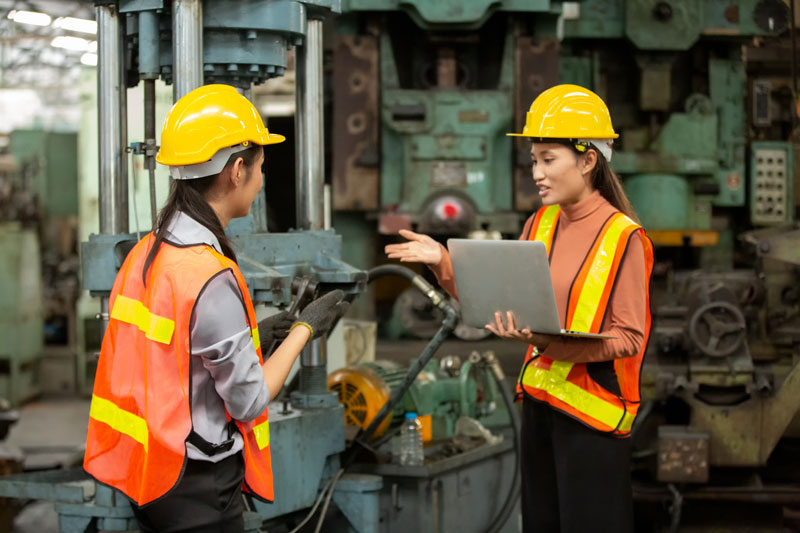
x=140 y=417
x=569 y=387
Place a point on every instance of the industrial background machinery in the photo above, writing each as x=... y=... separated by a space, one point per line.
x=703 y=95
x=418 y=97
x=191 y=42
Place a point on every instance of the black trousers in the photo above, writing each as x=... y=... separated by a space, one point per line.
x=207 y=499
x=574 y=479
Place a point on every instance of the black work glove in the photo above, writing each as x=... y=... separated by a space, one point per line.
x=323 y=312
x=275 y=327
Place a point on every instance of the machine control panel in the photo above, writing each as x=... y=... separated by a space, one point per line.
x=772 y=195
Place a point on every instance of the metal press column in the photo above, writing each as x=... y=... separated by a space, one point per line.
x=113 y=186
x=310 y=150
x=110 y=124
x=309 y=129
x=187 y=46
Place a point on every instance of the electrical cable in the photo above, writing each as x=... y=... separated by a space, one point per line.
x=448 y=325
x=313 y=510
x=516 y=427
x=328 y=500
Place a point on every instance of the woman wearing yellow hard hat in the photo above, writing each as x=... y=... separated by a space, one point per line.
x=579 y=396
x=178 y=420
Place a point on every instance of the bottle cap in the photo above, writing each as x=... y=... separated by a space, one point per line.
x=411 y=415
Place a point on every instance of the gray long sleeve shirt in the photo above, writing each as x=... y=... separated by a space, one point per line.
x=225 y=372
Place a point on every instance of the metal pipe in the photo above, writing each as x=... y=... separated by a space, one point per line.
x=309 y=130
x=326 y=204
x=150 y=142
x=187 y=46
x=148 y=45
x=124 y=168
x=113 y=213
x=313 y=368
x=314 y=353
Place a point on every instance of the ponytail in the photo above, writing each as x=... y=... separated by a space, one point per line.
x=188 y=196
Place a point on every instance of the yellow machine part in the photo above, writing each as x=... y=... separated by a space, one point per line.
x=363 y=392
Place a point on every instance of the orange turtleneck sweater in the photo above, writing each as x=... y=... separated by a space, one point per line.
x=626 y=316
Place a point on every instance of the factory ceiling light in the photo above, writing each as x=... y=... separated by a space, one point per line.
x=89 y=59
x=29 y=17
x=76 y=24
x=71 y=43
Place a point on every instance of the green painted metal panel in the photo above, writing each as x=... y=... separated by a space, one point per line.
x=51 y=158
x=635 y=163
x=61 y=197
x=677 y=29
x=21 y=321
x=728 y=91
x=576 y=70
x=468 y=126
x=726 y=18
x=429 y=147
x=667 y=202
x=691 y=135
x=603 y=19
x=450 y=11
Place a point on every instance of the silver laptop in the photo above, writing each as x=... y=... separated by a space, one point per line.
x=504 y=276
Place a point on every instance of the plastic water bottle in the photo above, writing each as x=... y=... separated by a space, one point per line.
x=411 y=441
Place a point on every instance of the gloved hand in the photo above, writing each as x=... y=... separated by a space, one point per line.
x=274 y=327
x=323 y=312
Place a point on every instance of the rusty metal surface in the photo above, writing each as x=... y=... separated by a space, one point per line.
x=356 y=156
x=536 y=69
x=682 y=455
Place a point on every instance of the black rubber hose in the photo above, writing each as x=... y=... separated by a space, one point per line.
x=417 y=281
x=448 y=325
x=516 y=427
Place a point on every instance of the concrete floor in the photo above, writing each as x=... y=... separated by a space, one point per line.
x=51 y=433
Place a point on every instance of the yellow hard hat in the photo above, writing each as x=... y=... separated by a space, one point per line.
x=568 y=112
x=207 y=120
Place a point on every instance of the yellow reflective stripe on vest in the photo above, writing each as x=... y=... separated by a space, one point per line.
x=261 y=432
x=561 y=369
x=256 y=338
x=547 y=226
x=576 y=397
x=119 y=420
x=595 y=283
x=130 y=311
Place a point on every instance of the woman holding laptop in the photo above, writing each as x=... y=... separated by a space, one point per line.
x=579 y=396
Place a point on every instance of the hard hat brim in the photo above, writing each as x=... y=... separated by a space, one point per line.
x=273 y=138
x=543 y=139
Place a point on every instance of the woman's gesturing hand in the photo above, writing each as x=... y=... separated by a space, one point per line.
x=419 y=249
x=510 y=331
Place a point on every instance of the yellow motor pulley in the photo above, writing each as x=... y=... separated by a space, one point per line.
x=363 y=392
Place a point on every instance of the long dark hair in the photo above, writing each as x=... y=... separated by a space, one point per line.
x=607 y=183
x=188 y=196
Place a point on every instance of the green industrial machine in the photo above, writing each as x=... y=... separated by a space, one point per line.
x=443 y=392
x=21 y=316
x=241 y=42
x=38 y=206
x=49 y=160
x=673 y=76
x=424 y=94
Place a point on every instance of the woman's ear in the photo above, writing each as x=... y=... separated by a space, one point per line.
x=589 y=162
x=238 y=172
